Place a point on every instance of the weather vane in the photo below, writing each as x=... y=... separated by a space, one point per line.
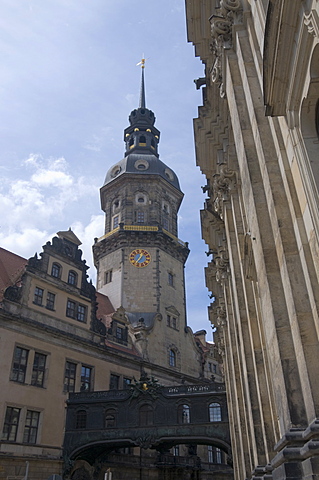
x=142 y=62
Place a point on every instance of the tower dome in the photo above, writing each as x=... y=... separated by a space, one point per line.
x=141 y=146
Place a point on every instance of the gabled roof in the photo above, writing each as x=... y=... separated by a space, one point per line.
x=11 y=269
x=70 y=236
x=104 y=306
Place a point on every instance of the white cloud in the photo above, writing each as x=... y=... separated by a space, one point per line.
x=41 y=203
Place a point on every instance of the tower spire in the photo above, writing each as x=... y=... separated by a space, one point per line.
x=142 y=92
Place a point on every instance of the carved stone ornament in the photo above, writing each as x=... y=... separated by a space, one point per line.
x=221 y=32
x=222 y=265
x=223 y=183
x=145 y=439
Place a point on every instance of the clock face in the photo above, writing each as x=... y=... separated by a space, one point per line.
x=140 y=257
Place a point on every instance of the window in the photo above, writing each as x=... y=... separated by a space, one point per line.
x=210 y=454
x=142 y=141
x=183 y=414
x=81 y=313
x=72 y=278
x=146 y=415
x=140 y=216
x=176 y=450
x=218 y=454
x=126 y=383
x=56 y=270
x=86 y=378
x=114 y=382
x=172 y=358
x=171 y=322
x=108 y=277
x=170 y=279
x=215 y=412
x=31 y=427
x=38 y=369
x=119 y=333
x=38 y=296
x=69 y=377
x=50 y=301
x=81 y=417
x=11 y=422
x=115 y=222
x=75 y=310
x=214 y=368
x=110 y=418
x=20 y=360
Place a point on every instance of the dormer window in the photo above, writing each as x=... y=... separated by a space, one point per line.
x=72 y=278
x=56 y=270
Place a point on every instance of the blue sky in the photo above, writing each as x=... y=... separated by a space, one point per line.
x=68 y=81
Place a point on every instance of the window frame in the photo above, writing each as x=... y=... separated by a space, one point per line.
x=86 y=380
x=81 y=419
x=38 y=371
x=172 y=357
x=38 y=297
x=10 y=424
x=50 y=302
x=18 y=366
x=70 y=384
x=56 y=270
x=215 y=412
x=74 y=276
x=31 y=428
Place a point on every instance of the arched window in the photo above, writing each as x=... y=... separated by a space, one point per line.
x=131 y=143
x=72 y=278
x=142 y=141
x=172 y=358
x=56 y=270
x=110 y=418
x=152 y=144
x=215 y=412
x=81 y=416
x=146 y=415
x=183 y=414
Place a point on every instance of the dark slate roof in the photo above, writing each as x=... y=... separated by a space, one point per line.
x=154 y=166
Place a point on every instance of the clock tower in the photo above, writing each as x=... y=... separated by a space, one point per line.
x=140 y=259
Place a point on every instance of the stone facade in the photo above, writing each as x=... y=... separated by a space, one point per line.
x=257 y=143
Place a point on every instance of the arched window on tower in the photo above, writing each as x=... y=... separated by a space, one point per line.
x=172 y=358
x=142 y=141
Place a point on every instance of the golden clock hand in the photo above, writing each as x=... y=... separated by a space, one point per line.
x=139 y=258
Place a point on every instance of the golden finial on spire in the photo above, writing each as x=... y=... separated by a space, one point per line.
x=142 y=62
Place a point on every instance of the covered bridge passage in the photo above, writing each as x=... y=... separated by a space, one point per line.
x=146 y=415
